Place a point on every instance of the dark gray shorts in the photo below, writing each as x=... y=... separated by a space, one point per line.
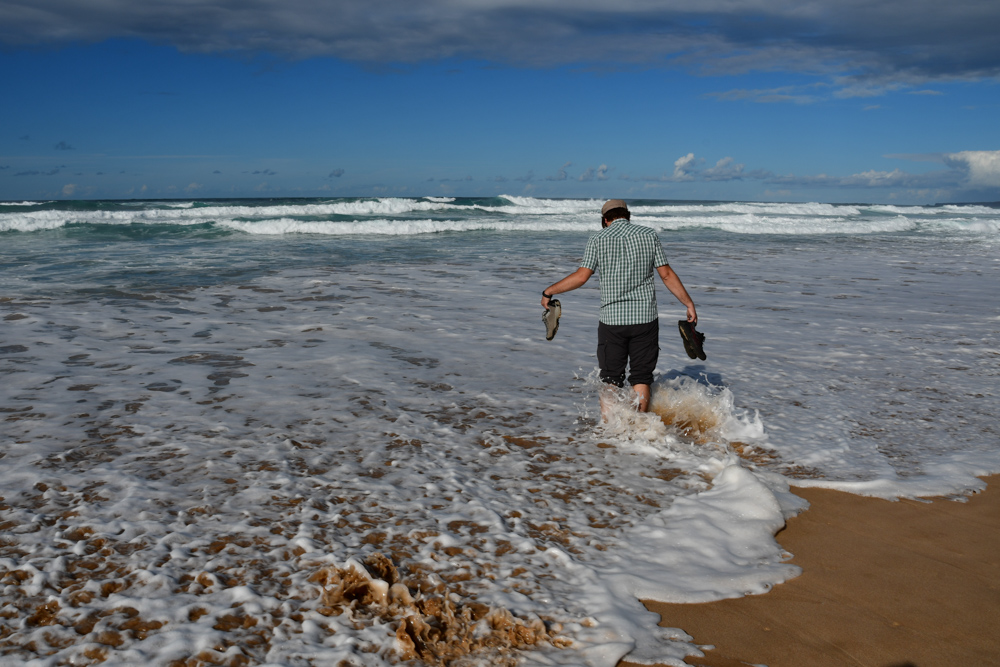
x=635 y=345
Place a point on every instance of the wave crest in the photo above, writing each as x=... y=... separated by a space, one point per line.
x=402 y=216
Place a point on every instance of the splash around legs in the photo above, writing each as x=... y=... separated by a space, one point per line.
x=611 y=395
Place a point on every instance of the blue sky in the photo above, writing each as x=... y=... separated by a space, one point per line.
x=833 y=100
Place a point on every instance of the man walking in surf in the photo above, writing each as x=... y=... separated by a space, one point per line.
x=628 y=332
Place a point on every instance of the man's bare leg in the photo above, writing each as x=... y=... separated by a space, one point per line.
x=607 y=396
x=642 y=391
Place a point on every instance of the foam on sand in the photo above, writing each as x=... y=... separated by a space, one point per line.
x=864 y=559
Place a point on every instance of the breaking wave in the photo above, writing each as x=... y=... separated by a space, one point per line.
x=400 y=216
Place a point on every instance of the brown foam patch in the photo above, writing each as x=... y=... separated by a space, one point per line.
x=432 y=628
x=690 y=417
x=696 y=421
x=434 y=620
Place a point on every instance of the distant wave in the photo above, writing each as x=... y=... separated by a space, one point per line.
x=975 y=225
x=393 y=227
x=948 y=209
x=762 y=224
x=971 y=209
x=532 y=205
x=400 y=216
x=750 y=208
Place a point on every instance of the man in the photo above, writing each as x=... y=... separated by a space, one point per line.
x=628 y=332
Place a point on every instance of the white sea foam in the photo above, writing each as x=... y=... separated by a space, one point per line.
x=187 y=214
x=386 y=227
x=751 y=208
x=213 y=417
x=201 y=454
x=30 y=223
x=532 y=205
x=906 y=210
x=981 y=226
x=402 y=216
x=967 y=209
x=759 y=224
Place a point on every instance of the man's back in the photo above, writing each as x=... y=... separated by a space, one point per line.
x=626 y=255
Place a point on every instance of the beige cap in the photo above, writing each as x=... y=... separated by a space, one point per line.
x=613 y=204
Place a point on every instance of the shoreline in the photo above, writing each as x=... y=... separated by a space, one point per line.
x=884 y=584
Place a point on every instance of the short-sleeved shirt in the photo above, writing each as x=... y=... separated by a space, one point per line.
x=626 y=256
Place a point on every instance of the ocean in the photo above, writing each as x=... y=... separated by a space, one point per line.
x=331 y=431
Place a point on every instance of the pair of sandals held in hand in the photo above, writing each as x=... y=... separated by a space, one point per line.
x=551 y=318
x=692 y=338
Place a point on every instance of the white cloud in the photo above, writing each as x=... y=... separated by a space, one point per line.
x=724 y=170
x=977 y=171
x=689 y=168
x=69 y=189
x=685 y=166
x=982 y=167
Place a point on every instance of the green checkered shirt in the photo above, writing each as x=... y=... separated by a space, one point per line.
x=627 y=256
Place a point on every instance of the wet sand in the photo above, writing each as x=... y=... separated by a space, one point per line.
x=885 y=584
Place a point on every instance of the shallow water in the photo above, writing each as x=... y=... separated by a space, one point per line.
x=215 y=412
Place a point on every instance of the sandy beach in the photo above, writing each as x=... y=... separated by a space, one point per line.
x=884 y=584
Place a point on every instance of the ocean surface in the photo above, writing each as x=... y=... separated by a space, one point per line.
x=331 y=432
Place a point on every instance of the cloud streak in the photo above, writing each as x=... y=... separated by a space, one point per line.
x=767 y=96
x=866 y=46
x=688 y=168
x=561 y=175
x=599 y=174
x=35 y=172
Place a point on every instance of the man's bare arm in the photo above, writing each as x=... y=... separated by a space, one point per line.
x=576 y=279
x=676 y=287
